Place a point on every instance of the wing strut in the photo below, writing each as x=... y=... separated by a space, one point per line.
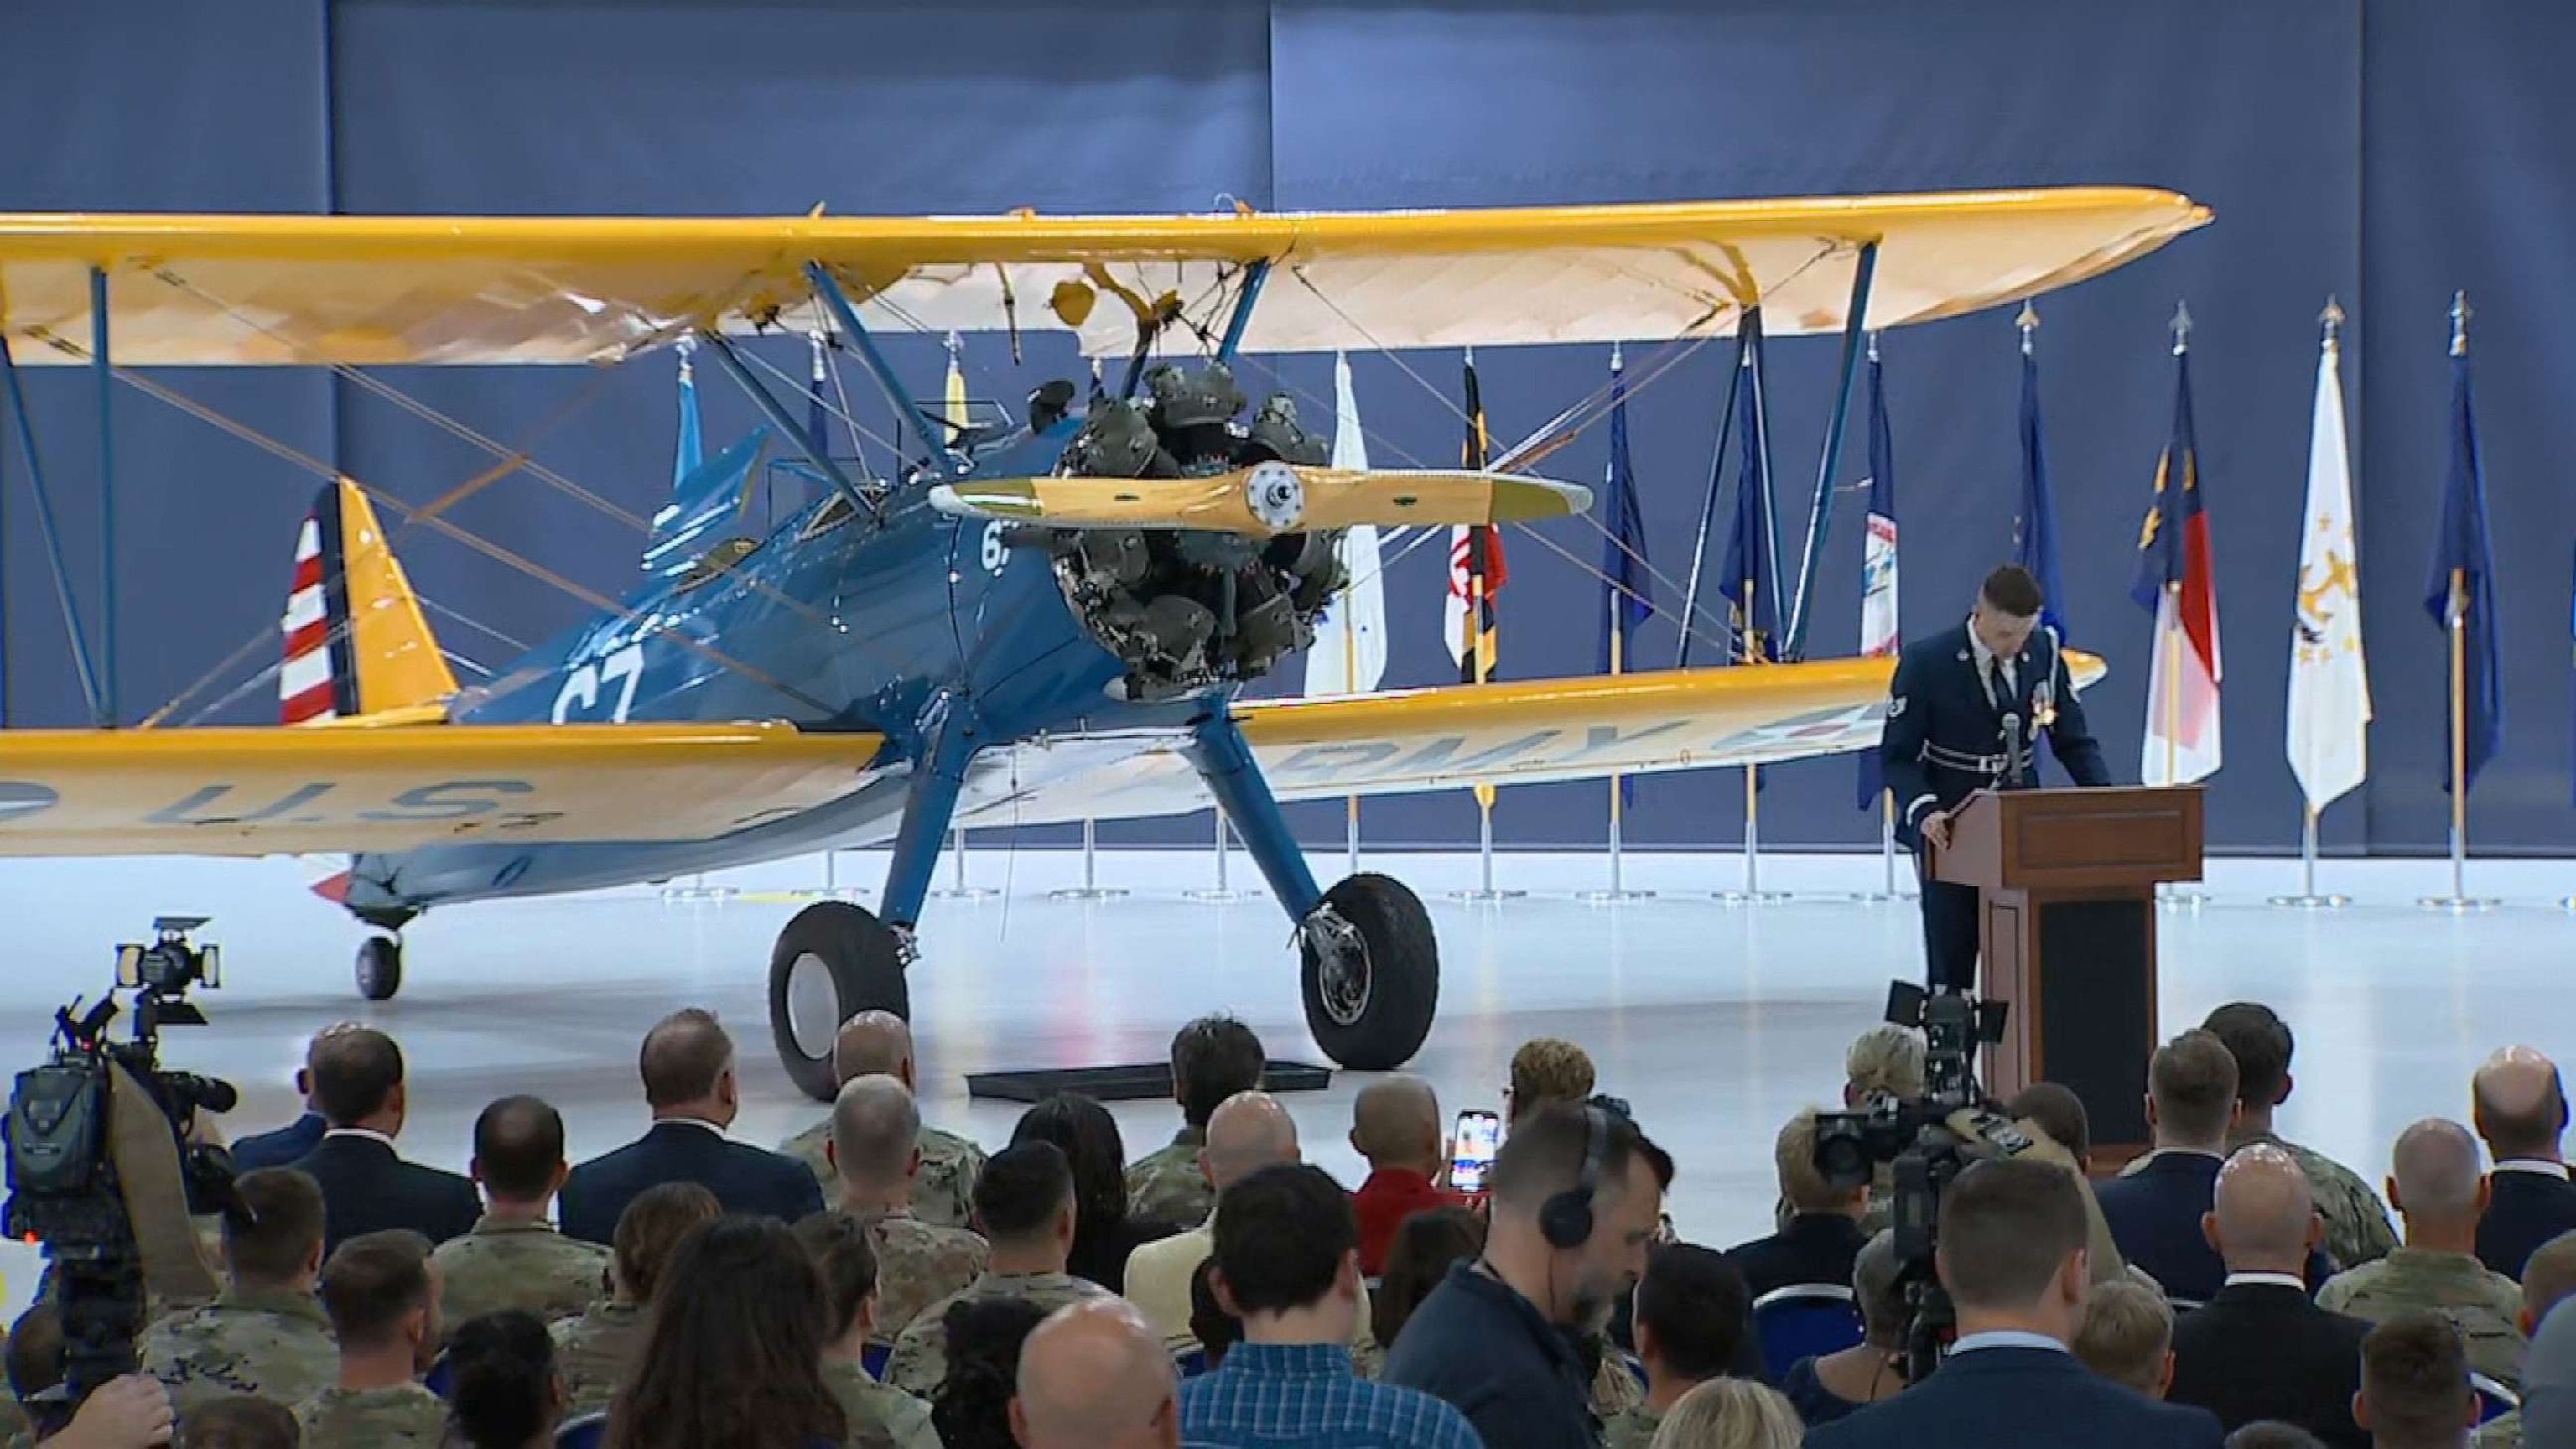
x=15 y=396
x=828 y=287
x=797 y=435
x=1253 y=276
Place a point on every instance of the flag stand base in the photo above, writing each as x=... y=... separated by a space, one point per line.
x=1752 y=898
x=2459 y=905
x=1219 y=896
x=1486 y=896
x=1876 y=898
x=696 y=891
x=1612 y=897
x=1087 y=893
x=2312 y=902
x=2175 y=899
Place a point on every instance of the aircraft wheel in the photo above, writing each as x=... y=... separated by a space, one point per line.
x=1372 y=973
x=380 y=967
x=832 y=962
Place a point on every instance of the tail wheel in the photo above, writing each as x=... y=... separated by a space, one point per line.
x=832 y=962
x=380 y=967
x=1372 y=973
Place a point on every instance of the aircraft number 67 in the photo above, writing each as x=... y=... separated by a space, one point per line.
x=580 y=692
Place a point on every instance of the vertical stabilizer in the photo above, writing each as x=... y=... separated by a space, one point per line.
x=356 y=642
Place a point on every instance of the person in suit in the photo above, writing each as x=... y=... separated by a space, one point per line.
x=2014 y=1256
x=2155 y=1214
x=367 y=1187
x=688 y=1068
x=287 y=1145
x=2260 y=1349
x=1823 y=1234
x=2520 y=1107
x=1963 y=714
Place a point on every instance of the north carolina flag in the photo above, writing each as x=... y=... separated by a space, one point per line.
x=1476 y=572
x=2177 y=583
x=1880 y=636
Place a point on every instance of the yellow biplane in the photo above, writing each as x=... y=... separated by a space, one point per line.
x=1047 y=620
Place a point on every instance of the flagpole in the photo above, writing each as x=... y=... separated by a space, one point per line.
x=958 y=889
x=1222 y=893
x=1350 y=685
x=1618 y=891
x=1091 y=889
x=2459 y=902
x=2177 y=896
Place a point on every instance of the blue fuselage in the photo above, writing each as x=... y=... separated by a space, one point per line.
x=838 y=620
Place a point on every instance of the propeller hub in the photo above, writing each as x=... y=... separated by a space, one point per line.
x=1276 y=495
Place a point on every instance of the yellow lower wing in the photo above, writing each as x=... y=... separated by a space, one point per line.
x=279 y=791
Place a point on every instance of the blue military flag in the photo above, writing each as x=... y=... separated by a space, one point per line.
x=1627 y=593
x=2460 y=594
x=1747 y=580
x=1880 y=634
x=2035 y=525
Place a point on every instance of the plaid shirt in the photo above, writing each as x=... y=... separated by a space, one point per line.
x=1308 y=1396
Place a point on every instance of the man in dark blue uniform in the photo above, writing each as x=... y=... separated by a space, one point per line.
x=1963 y=714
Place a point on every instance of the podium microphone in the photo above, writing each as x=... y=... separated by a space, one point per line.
x=2012 y=750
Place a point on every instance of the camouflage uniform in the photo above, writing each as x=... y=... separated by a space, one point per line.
x=1166 y=1186
x=406 y=1416
x=1634 y=1429
x=920 y=1358
x=2501 y=1432
x=918 y=1264
x=276 y=1345
x=878 y=1414
x=518 y=1265
x=2485 y=1306
x=943 y=1195
x=1616 y=1391
x=594 y=1349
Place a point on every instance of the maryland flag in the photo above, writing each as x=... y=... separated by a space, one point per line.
x=1476 y=572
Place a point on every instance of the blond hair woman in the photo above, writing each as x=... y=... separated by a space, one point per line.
x=1731 y=1414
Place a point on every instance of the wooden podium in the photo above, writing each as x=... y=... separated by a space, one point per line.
x=2067 y=936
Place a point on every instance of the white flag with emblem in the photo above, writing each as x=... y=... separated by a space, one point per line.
x=2329 y=686
x=1349 y=654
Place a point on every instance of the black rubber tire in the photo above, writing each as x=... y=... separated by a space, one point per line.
x=864 y=959
x=1404 y=976
x=379 y=968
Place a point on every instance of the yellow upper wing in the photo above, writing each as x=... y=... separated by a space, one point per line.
x=279 y=791
x=190 y=290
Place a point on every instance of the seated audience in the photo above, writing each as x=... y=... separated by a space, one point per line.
x=2260 y=1350
x=1418 y=1261
x=2415 y=1383
x=2548 y=1278
x=2014 y=1240
x=2441 y=1194
x=382 y=1297
x=875 y=1158
x=1837 y=1385
x=2126 y=1336
x=2059 y=1113
x=1692 y=1319
x=2549 y=1384
x=688 y=1069
x=847 y=1266
x=514 y=1258
x=2155 y=1213
x=971 y=1407
x=1396 y=1127
x=504 y=1391
x=265 y=1334
x=1546 y=1072
x=1105 y=1233
x=1730 y=1414
x=239 y=1421
x=879 y=1043
x=288 y=1144
x=1213 y=1058
x=596 y=1348
x=366 y=1186
x=734 y=1356
x=2273 y=1434
x=1211 y=1323
x=1024 y=1204
x=1577 y=1197
x=1093 y=1376
x=1285 y=1252
x=1823 y=1233
x=132 y=1412
x=2357 y=1228
x=2520 y=1107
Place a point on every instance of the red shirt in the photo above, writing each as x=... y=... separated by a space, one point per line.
x=1391 y=1195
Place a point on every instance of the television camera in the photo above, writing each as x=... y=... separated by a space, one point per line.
x=75 y=1155
x=1927 y=1141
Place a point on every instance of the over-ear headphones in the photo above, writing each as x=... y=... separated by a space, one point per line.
x=1565 y=1220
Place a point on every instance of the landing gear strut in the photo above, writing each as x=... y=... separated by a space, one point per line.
x=832 y=962
x=1371 y=973
x=380 y=967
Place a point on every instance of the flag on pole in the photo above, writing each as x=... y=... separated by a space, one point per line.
x=691 y=449
x=955 y=394
x=1880 y=636
x=1627 y=590
x=2035 y=525
x=2462 y=585
x=818 y=431
x=2329 y=714
x=1349 y=653
x=2177 y=583
x=1476 y=572
x=1745 y=581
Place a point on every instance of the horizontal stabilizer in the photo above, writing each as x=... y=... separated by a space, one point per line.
x=1268 y=499
x=703 y=504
